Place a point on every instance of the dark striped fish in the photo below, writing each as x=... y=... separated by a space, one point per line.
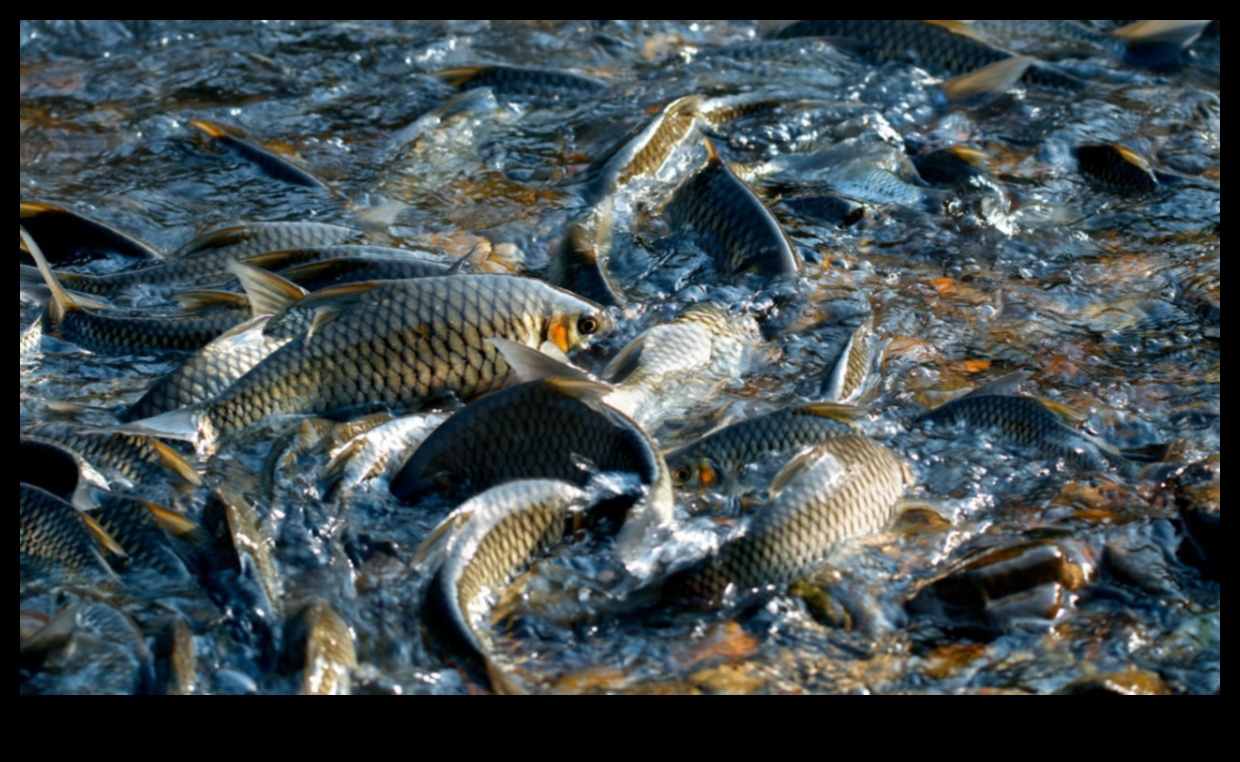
x=204 y=261
x=55 y=540
x=717 y=458
x=68 y=238
x=731 y=223
x=90 y=648
x=477 y=552
x=522 y=81
x=844 y=488
x=358 y=264
x=274 y=166
x=142 y=529
x=942 y=46
x=133 y=458
x=1116 y=169
x=1026 y=422
x=395 y=345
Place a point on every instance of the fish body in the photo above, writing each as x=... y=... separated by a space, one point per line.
x=133 y=458
x=358 y=264
x=204 y=261
x=422 y=339
x=1116 y=169
x=645 y=153
x=1025 y=422
x=90 y=648
x=208 y=372
x=68 y=238
x=718 y=457
x=30 y=337
x=372 y=453
x=135 y=526
x=673 y=365
x=844 y=488
x=324 y=643
x=550 y=429
x=853 y=372
x=523 y=81
x=54 y=539
x=932 y=45
x=274 y=166
x=579 y=263
x=731 y=223
x=490 y=540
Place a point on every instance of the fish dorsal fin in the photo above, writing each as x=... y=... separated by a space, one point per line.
x=278 y=260
x=430 y=554
x=988 y=81
x=61 y=303
x=590 y=391
x=836 y=411
x=1008 y=384
x=217 y=239
x=1132 y=157
x=333 y=472
x=269 y=294
x=532 y=365
x=206 y=299
x=971 y=156
x=172 y=460
x=105 y=540
x=459 y=75
x=624 y=363
x=343 y=432
x=805 y=460
x=1179 y=33
x=474 y=258
x=956 y=26
x=172 y=522
x=211 y=129
x=1067 y=414
x=712 y=156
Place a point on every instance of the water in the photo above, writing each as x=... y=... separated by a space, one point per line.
x=1112 y=302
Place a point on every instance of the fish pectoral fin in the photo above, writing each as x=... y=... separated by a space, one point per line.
x=172 y=460
x=956 y=26
x=268 y=293
x=918 y=516
x=806 y=459
x=988 y=81
x=836 y=411
x=196 y=301
x=105 y=540
x=624 y=363
x=217 y=239
x=211 y=129
x=1158 y=32
x=1068 y=415
x=532 y=365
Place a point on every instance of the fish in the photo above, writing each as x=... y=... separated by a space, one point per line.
x=949 y=47
x=876 y=174
x=550 y=428
x=68 y=238
x=644 y=154
x=209 y=371
x=358 y=264
x=139 y=528
x=372 y=453
x=56 y=540
x=525 y=81
x=323 y=643
x=49 y=465
x=110 y=333
x=731 y=223
x=1152 y=44
x=394 y=345
x=844 y=488
x=91 y=648
x=30 y=338
x=274 y=166
x=204 y=261
x=674 y=365
x=119 y=455
x=1117 y=169
x=854 y=371
x=1026 y=422
x=717 y=458
x=176 y=659
x=479 y=550
x=579 y=263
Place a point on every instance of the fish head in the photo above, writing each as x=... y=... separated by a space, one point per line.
x=574 y=328
x=695 y=472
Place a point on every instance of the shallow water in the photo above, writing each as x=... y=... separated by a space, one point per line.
x=1112 y=302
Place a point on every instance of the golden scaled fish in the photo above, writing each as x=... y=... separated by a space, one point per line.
x=394 y=345
x=56 y=540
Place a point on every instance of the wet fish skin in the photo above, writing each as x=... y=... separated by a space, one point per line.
x=931 y=44
x=204 y=261
x=55 y=540
x=133 y=524
x=323 y=643
x=68 y=238
x=117 y=334
x=1116 y=169
x=854 y=369
x=536 y=429
x=717 y=458
x=525 y=81
x=49 y=465
x=579 y=263
x=30 y=338
x=362 y=266
x=1025 y=422
x=644 y=153
x=372 y=453
x=134 y=458
x=492 y=538
x=844 y=488
x=208 y=372
x=425 y=338
x=732 y=223
x=273 y=165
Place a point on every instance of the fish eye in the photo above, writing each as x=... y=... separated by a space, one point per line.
x=587 y=326
x=682 y=474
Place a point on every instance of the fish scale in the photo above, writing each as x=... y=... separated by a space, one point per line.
x=133 y=457
x=53 y=537
x=114 y=333
x=843 y=488
x=417 y=340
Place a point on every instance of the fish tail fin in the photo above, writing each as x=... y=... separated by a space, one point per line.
x=61 y=303
x=986 y=82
